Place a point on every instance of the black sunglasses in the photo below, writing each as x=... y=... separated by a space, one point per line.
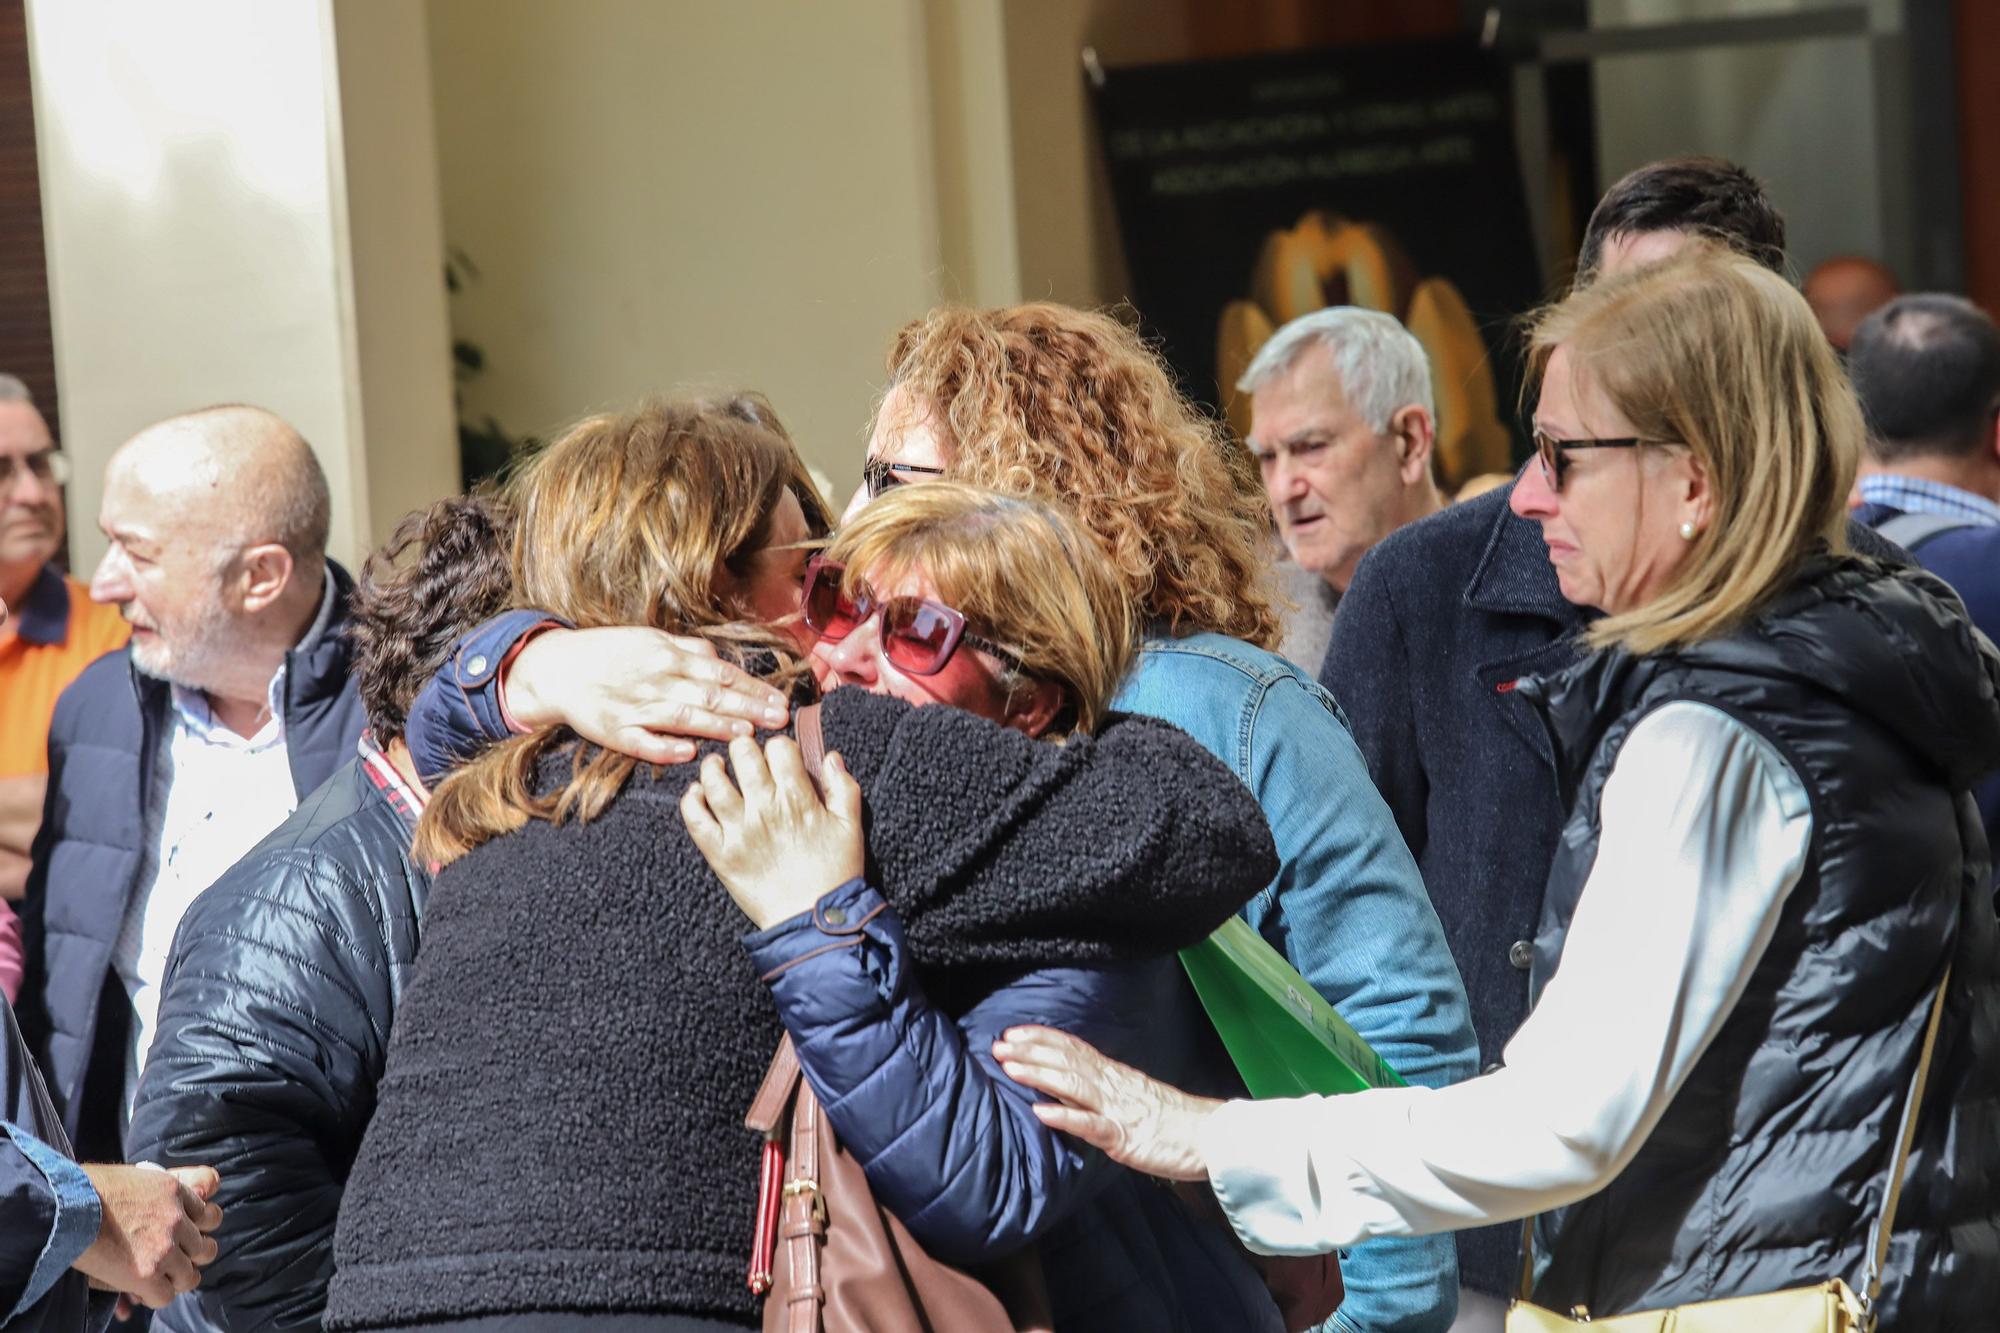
x=1554 y=453
x=879 y=474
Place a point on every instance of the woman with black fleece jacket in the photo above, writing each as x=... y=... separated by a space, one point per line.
x=559 y=1141
x=561 y=1124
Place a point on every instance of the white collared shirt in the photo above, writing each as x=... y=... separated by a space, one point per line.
x=220 y=794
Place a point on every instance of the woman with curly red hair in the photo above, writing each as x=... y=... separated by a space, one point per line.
x=1073 y=407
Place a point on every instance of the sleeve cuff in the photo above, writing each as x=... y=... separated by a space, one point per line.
x=475 y=669
x=1259 y=1165
x=838 y=965
x=532 y=633
x=79 y=1216
x=841 y=919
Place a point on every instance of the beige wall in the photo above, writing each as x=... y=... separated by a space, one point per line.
x=390 y=240
x=1068 y=238
x=670 y=193
x=663 y=193
x=195 y=201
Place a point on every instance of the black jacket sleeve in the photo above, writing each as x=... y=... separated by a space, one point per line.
x=272 y=1035
x=994 y=848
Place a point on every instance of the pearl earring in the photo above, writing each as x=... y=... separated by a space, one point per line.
x=1688 y=530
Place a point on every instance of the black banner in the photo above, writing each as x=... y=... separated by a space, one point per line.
x=1252 y=191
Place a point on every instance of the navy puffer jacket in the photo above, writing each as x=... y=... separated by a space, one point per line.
x=273 y=1030
x=950 y=1143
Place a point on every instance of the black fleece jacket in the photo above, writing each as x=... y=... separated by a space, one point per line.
x=560 y=1124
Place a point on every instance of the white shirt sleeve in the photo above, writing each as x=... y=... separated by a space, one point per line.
x=1705 y=828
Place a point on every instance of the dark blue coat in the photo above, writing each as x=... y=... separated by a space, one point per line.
x=91 y=851
x=1442 y=618
x=951 y=1145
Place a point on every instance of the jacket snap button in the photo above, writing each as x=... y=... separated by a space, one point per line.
x=1521 y=954
x=1493 y=1068
x=476 y=665
x=836 y=916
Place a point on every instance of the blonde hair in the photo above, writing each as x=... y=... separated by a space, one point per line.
x=1072 y=406
x=641 y=518
x=1712 y=351
x=1024 y=574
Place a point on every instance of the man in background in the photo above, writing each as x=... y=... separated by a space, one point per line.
x=1927 y=371
x=170 y=760
x=55 y=632
x=1342 y=428
x=1652 y=211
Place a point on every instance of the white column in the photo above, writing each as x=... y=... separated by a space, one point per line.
x=240 y=204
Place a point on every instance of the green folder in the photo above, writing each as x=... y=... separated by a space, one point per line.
x=1285 y=1038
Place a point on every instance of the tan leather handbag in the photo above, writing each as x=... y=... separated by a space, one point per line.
x=1830 y=1307
x=845 y=1264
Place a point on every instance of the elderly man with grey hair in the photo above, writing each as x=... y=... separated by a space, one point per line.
x=171 y=759
x=1342 y=427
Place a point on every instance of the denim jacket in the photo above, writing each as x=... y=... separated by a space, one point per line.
x=1348 y=909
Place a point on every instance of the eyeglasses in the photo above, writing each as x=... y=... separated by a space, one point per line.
x=1554 y=453
x=50 y=465
x=879 y=474
x=919 y=635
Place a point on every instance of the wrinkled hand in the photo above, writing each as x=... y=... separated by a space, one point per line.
x=639 y=691
x=153 y=1240
x=1135 y=1119
x=774 y=845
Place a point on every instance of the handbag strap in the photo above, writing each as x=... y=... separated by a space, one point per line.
x=812 y=744
x=803 y=1217
x=1885 y=1223
x=774 y=1094
x=1906 y=1133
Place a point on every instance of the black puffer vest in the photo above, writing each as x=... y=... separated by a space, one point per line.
x=1768 y=1167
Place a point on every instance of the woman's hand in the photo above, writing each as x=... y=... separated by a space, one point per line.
x=774 y=845
x=1136 y=1120
x=638 y=691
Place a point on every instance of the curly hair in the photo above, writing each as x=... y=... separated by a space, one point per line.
x=1073 y=407
x=406 y=612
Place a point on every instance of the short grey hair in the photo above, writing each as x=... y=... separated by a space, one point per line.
x=13 y=389
x=1381 y=366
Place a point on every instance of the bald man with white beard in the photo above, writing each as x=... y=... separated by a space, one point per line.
x=171 y=759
